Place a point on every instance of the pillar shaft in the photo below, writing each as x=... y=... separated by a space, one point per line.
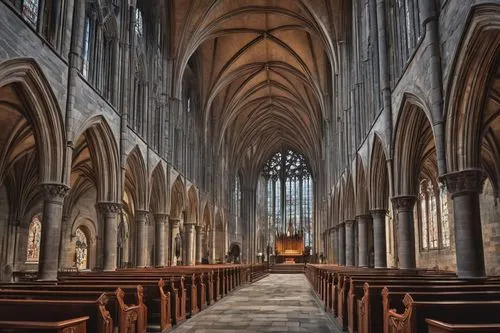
x=349 y=242
x=403 y=206
x=379 y=240
x=174 y=231
x=341 y=243
x=465 y=187
x=199 y=231
x=161 y=221
x=141 y=246
x=51 y=231
x=189 y=239
x=109 y=211
x=363 y=224
x=335 y=245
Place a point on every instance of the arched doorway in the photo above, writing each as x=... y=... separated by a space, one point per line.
x=234 y=253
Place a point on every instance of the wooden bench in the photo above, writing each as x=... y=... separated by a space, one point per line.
x=73 y=325
x=436 y=326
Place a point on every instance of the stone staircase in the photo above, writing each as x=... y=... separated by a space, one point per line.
x=286 y=269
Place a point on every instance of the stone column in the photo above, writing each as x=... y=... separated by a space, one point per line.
x=465 y=187
x=109 y=211
x=212 y=245
x=403 y=206
x=341 y=243
x=349 y=242
x=198 y=255
x=189 y=239
x=363 y=224
x=174 y=230
x=141 y=245
x=51 y=230
x=160 y=222
x=335 y=256
x=379 y=245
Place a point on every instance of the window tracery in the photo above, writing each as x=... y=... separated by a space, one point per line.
x=34 y=237
x=433 y=215
x=81 y=251
x=289 y=191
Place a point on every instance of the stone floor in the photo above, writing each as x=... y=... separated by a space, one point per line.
x=277 y=303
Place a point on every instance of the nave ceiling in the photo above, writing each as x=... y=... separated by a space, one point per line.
x=265 y=70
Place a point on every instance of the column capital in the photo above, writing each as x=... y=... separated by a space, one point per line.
x=403 y=202
x=363 y=217
x=140 y=215
x=198 y=228
x=160 y=218
x=174 y=222
x=108 y=207
x=465 y=181
x=54 y=191
x=378 y=212
x=349 y=223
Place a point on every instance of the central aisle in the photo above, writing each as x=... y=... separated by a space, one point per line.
x=277 y=303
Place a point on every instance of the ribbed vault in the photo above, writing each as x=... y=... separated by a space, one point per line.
x=266 y=69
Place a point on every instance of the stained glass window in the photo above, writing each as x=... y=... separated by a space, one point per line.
x=445 y=227
x=34 y=237
x=81 y=249
x=289 y=190
x=30 y=11
x=433 y=219
x=139 y=23
x=86 y=48
x=423 y=216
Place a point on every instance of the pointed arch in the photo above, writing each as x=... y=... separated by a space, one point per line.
x=42 y=112
x=104 y=156
x=177 y=198
x=414 y=146
x=362 y=204
x=192 y=209
x=136 y=178
x=378 y=176
x=472 y=115
x=158 y=190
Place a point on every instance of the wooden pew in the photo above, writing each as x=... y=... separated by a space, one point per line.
x=73 y=325
x=468 y=308
x=120 y=298
x=370 y=311
x=436 y=326
x=98 y=319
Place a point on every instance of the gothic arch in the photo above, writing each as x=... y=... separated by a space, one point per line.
x=104 y=157
x=136 y=179
x=362 y=204
x=472 y=111
x=158 y=190
x=414 y=147
x=192 y=209
x=41 y=110
x=378 y=176
x=177 y=198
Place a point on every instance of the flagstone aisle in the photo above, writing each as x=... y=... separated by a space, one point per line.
x=277 y=303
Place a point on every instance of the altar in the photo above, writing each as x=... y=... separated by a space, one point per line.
x=289 y=248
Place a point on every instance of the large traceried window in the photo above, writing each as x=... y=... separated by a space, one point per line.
x=139 y=23
x=433 y=214
x=34 y=237
x=81 y=250
x=237 y=203
x=289 y=195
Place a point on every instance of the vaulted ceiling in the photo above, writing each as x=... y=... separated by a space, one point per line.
x=265 y=70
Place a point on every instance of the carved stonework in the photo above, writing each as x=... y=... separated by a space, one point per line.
x=54 y=192
x=109 y=207
x=174 y=223
x=140 y=215
x=403 y=203
x=466 y=181
x=161 y=218
x=349 y=223
x=380 y=213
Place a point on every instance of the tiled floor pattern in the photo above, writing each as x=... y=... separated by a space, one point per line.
x=277 y=303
